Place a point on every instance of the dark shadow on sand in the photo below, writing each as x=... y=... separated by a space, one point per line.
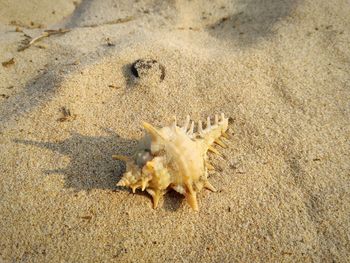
x=41 y=88
x=130 y=80
x=253 y=22
x=38 y=89
x=91 y=165
x=173 y=201
x=77 y=18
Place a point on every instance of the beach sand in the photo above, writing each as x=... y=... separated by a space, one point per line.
x=69 y=101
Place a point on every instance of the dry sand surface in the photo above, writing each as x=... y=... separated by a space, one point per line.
x=278 y=68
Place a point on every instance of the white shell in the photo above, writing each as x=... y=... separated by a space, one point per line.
x=174 y=157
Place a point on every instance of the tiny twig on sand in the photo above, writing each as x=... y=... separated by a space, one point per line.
x=47 y=33
x=112 y=22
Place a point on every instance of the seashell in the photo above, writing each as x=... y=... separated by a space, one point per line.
x=174 y=157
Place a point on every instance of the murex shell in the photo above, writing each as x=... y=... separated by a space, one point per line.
x=174 y=157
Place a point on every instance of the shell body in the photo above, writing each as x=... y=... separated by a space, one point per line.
x=174 y=157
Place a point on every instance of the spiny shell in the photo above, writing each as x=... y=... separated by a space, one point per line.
x=174 y=157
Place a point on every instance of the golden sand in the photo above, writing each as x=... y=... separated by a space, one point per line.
x=279 y=69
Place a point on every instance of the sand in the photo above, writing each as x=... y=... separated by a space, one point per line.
x=279 y=69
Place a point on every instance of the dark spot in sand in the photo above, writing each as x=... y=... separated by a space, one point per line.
x=233 y=166
x=113 y=86
x=8 y=63
x=144 y=68
x=109 y=42
x=67 y=116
